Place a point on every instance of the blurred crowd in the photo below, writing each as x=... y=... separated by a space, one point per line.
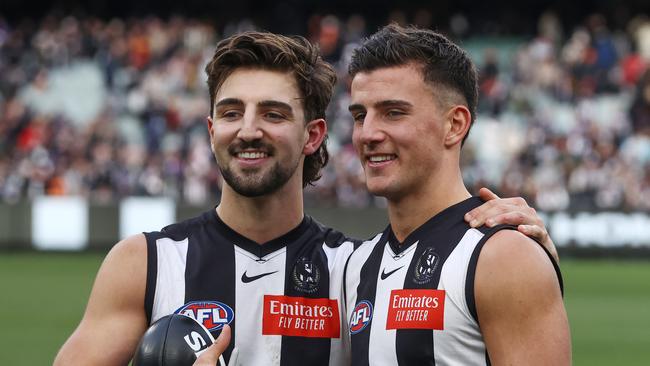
x=111 y=108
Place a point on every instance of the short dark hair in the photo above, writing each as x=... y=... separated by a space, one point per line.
x=442 y=61
x=296 y=55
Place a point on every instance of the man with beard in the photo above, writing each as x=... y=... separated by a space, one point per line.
x=255 y=267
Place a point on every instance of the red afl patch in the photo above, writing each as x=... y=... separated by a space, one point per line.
x=416 y=309
x=361 y=316
x=212 y=314
x=301 y=317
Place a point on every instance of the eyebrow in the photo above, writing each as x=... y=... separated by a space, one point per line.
x=263 y=104
x=275 y=104
x=383 y=104
x=228 y=101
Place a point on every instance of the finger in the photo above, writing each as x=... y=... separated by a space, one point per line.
x=533 y=231
x=210 y=356
x=508 y=218
x=477 y=216
x=486 y=194
x=541 y=235
x=490 y=209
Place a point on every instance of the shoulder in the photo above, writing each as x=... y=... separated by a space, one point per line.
x=127 y=253
x=364 y=248
x=519 y=303
x=510 y=268
x=332 y=237
x=510 y=250
x=182 y=229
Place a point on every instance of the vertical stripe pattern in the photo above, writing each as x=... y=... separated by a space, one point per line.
x=276 y=295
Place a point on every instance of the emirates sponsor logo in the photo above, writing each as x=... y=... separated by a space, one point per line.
x=301 y=317
x=416 y=309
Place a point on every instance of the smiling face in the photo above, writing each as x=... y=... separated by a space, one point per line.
x=399 y=130
x=258 y=132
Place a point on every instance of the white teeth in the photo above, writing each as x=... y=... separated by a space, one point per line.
x=251 y=155
x=380 y=158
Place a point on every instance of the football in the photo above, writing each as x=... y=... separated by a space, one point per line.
x=173 y=340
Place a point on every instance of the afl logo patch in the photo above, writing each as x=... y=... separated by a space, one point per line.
x=425 y=267
x=306 y=276
x=361 y=316
x=212 y=314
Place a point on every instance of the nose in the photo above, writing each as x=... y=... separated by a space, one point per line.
x=369 y=132
x=250 y=128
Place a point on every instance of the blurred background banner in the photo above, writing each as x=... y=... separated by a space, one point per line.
x=103 y=107
x=73 y=223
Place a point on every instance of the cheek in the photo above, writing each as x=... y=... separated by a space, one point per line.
x=356 y=136
x=223 y=132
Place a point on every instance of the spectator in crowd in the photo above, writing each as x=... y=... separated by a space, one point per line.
x=111 y=108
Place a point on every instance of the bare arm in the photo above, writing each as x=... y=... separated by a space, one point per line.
x=114 y=319
x=519 y=304
x=512 y=211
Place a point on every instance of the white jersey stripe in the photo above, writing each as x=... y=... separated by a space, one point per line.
x=382 y=341
x=336 y=258
x=458 y=319
x=248 y=326
x=170 y=284
x=354 y=272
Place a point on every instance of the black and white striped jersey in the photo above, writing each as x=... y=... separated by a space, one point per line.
x=413 y=304
x=280 y=298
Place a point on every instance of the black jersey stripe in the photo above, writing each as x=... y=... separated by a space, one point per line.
x=202 y=256
x=315 y=351
x=367 y=290
x=152 y=274
x=439 y=236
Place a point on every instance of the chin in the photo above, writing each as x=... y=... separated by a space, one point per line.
x=378 y=188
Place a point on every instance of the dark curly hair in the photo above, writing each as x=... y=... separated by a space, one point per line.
x=295 y=54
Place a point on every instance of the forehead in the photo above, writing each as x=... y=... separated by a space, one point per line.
x=389 y=83
x=255 y=85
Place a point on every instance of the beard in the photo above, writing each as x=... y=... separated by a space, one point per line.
x=255 y=182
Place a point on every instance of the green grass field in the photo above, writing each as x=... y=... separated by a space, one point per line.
x=45 y=294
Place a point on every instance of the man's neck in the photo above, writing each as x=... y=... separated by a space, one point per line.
x=263 y=218
x=412 y=210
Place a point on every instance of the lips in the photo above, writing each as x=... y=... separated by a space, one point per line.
x=252 y=155
x=381 y=158
x=378 y=160
x=250 y=150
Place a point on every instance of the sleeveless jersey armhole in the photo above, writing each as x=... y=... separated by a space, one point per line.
x=471 y=270
x=152 y=273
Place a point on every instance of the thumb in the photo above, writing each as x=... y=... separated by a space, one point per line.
x=210 y=356
x=486 y=194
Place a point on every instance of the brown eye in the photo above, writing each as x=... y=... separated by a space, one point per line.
x=230 y=115
x=359 y=117
x=274 y=116
x=393 y=114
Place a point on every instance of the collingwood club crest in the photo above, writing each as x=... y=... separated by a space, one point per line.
x=306 y=276
x=425 y=267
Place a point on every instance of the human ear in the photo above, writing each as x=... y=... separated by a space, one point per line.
x=315 y=133
x=459 y=120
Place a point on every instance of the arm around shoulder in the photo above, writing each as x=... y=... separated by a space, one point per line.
x=519 y=303
x=115 y=318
